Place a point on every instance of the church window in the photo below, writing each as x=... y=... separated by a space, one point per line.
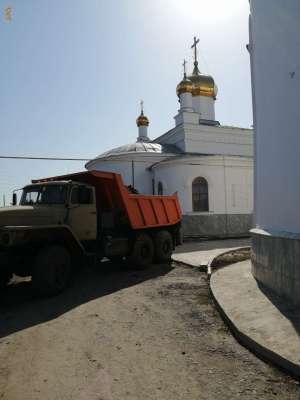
x=160 y=189
x=200 y=194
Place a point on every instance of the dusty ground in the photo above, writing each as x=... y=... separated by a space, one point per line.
x=120 y=334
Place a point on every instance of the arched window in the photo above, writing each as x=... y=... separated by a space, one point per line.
x=200 y=194
x=160 y=189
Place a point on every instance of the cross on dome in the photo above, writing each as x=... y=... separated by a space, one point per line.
x=197 y=83
x=184 y=68
x=194 y=46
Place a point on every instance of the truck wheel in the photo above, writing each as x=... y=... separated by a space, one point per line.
x=117 y=259
x=5 y=273
x=163 y=246
x=5 y=277
x=52 y=270
x=142 y=252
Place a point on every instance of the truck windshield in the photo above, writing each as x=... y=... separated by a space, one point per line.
x=44 y=194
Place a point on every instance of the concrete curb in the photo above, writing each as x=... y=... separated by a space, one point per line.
x=259 y=350
x=200 y=267
x=209 y=265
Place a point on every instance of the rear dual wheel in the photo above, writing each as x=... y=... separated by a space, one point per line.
x=163 y=246
x=145 y=249
x=142 y=252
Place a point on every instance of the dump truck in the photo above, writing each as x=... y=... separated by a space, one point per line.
x=64 y=220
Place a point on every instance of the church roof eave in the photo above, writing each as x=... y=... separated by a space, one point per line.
x=144 y=149
x=188 y=156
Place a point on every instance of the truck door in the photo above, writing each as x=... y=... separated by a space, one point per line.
x=83 y=212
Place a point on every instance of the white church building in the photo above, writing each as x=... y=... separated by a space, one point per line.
x=209 y=165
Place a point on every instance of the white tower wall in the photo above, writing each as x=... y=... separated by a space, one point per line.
x=205 y=106
x=275 y=66
x=143 y=134
x=186 y=102
x=276 y=77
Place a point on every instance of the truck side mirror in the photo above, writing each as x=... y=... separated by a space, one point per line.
x=14 y=199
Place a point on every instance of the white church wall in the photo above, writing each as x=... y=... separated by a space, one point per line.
x=239 y=187
x=229 y=188
x=218 y=140
x=142 y=177
x=235 y=175
x=174 y=136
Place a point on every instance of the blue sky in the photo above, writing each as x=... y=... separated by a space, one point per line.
x=73 y=73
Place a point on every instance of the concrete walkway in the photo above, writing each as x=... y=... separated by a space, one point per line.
x=200 y=254
x=257 y=318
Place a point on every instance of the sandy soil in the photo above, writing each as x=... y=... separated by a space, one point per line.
x=119 y=334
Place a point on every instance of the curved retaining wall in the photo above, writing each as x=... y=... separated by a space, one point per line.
x=276 y=263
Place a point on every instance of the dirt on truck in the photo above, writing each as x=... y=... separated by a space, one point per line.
x=61 y=221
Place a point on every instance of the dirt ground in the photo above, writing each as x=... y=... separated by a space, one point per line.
x=119 y=334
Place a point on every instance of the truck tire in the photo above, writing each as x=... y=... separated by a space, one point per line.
x=116 y=259
x=5 y=273
x=51 y=270
x=163 y=246
x=142 y=251
x=5 y=277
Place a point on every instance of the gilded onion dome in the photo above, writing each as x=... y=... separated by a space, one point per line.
x=203 y=85
x=185 y=86
x=142 y=120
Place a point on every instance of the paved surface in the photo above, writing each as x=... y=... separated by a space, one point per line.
x=258 y=319
x=137 y=335
x=199 y=254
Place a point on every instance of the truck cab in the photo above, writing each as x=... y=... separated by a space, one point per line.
x=56 y=203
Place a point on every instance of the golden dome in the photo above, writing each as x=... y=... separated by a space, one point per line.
x=142 y=120
x=185 y=86
x=203 y=85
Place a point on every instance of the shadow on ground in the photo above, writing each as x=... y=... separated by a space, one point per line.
x=20 y=309
x=286 y=309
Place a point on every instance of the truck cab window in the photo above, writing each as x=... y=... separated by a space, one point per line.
x=81 y=195
x=30 y=197
x=44 y=195
x=85 y=195
x=75 y=196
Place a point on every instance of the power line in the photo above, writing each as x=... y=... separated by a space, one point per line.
x=43 y=158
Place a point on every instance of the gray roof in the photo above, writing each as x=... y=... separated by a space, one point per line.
x=140 y=147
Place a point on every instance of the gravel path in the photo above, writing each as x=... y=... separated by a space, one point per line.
x=119 y=334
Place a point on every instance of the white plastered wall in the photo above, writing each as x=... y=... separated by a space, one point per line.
x=275 y=66
x=235 y=175
x=205 y=106
x=142 y=176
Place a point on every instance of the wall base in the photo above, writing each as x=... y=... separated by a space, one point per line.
x=216 y=225
x=276 y=263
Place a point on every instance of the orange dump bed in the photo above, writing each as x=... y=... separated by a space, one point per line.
x=141 y=211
